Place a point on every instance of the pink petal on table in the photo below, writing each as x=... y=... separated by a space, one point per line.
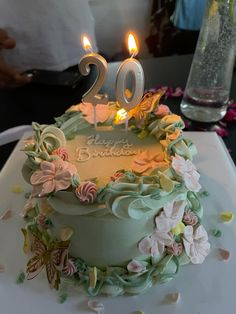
x=96 y=306
x=225 y=255
x=173 y=298
x=6 y=214
x=2 y=268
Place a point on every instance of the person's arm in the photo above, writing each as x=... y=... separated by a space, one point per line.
x=9 y=77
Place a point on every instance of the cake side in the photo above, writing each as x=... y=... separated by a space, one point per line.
x=123 y=203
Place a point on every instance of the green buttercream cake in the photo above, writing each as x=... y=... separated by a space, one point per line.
x=114 y=209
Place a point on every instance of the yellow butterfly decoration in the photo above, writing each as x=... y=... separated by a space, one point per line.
x=52 y=257
x=147 y=105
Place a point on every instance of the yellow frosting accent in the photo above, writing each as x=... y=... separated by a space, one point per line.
x=17 y=189
x=226 y=216
x=93 y=277
x=178 y=229
x=66 y=233
x=166 y=183
x=26 y=245
x=171 y=119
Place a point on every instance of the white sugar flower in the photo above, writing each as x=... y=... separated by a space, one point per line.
x=170 y=217
x=196 y=244
x=187 y=170
x=155 y=243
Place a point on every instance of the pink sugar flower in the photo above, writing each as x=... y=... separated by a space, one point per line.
x=62 y=153
x=86 y=192
x=190 y=218
x=52 y=177
x=117 y=176
x=70 y=268
x=187 y=170
x=162 y=110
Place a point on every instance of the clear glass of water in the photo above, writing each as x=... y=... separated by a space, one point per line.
x=207 y=91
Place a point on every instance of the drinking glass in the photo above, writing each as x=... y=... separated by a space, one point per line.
x=207 y=90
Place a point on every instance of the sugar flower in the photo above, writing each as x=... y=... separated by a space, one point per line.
x=187 y=170
x=155 y=243
x=162 y=110
x=196 y=244
x=61 y=152
x=86 y=192
x=52 y=177
x=171 y=215
x=145 y=162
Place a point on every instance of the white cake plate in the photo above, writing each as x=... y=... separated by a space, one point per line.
x=205 y=289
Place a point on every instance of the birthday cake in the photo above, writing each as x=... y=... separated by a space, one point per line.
x=114 y=208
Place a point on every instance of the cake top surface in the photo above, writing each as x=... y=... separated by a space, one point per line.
x=126 y=162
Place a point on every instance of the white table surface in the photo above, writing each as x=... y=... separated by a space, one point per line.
x=205 y=289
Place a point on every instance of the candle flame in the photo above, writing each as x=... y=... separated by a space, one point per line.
x=86 y=44
x=132 y=45
x=121 y=116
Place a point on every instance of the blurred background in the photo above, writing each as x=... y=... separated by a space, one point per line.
x=149 y=19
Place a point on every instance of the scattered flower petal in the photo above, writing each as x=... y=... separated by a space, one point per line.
x=96 y=306
x=2 y=268
x=62 y=298
x=66 y=233
x=226 y=216
x=21 y=278
x=7 y=214
x=225 y=255
x=17 y=189
x=219 y=130
x=173 y=298
x=216 y=233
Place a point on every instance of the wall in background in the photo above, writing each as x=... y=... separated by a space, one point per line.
x=113 y=20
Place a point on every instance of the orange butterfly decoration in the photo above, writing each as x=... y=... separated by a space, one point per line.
x=52 y=257
x=147 y=105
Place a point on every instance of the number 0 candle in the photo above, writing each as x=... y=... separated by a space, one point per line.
x=133 y=66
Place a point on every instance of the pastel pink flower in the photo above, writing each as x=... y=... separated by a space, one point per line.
x=86 y=192
x=162 y=110
x=117 y=176
x=52 y=177
x=171 y=215
x=135 y=267
x=70 y=268
x=196 y=244
x=145 y=162
x=155 y=243
x=187 y=170
x=62 y=153
x=42 y=221
x=103 y=112
x=190 y=218
x=175 y=249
